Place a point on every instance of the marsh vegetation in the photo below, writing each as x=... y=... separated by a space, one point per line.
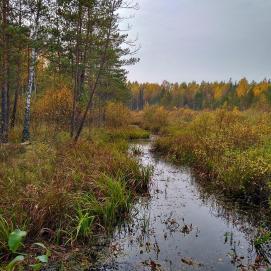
x=76 y=188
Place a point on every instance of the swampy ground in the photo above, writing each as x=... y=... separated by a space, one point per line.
x=181 y=225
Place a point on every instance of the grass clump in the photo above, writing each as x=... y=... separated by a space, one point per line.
x=120 y=134
x=5 y=230
x=113 y=200
x=155 y=118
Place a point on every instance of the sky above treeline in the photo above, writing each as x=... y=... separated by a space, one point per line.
x=185 y=40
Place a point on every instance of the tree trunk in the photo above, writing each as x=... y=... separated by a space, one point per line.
x=5 y=69
x=16 y=96
x=31 y=79
x=26 y=127
x=77 y=70
x=93 y=90
x=18 y=85
x=94 y=86
x=82 y=74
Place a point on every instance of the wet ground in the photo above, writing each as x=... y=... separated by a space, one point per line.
x=179 y=226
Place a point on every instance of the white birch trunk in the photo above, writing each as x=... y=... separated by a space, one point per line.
x=32 y=69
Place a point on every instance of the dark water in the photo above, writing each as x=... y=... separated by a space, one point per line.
x=181 y=227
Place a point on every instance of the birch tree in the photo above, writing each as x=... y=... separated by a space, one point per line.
x=38 y=8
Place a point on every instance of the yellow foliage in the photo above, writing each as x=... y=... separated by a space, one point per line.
x=261 y=88
x=54 y=105
x=155 y=118
x=117 y=115
x=181 y=115
x=242 y=88
x=218 y=92
x=232 y=148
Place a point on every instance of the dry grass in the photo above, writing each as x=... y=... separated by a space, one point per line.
x=43 y=185
x=231 y=148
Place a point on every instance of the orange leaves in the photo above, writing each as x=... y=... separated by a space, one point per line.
x=117 y=115
x=54 y=105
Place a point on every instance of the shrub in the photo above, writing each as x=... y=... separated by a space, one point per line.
x=230 y=147
x=155 y=118
x=54 y=106
x=117 y=115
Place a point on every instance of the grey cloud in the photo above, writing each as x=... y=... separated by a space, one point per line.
x=184 y=40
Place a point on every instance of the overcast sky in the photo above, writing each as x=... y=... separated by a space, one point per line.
x=185 y=40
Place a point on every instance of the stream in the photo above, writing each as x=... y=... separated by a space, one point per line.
x=180 y=226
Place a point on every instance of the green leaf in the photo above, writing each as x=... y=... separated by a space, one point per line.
x=14 y=262
x=36 y=266
x=15 y=240
x=42 y=258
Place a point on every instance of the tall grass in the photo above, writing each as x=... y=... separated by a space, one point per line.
x=58 y=191
x=5 y=230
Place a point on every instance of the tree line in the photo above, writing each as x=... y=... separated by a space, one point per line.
x=204 y=95
x=50 y=43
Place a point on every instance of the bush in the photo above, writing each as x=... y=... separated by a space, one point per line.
x=229 y=147
x=54 y=106
x=155 y=118
x=117 y=115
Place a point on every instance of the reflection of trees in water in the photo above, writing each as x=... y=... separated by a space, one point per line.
x=244 y=217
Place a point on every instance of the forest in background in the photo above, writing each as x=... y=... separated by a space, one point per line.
x=205 y=95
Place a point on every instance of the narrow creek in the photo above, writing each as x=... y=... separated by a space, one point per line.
x=179 y=226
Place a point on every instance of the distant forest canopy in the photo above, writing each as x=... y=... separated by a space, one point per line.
x=206 y=95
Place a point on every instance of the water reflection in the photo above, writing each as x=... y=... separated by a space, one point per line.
x=182 y=226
